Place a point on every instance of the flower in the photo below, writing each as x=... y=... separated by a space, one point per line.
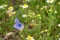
x=42 y=31
x=37 y=6
x=1 y=7
x=4 y=5
x=59 y=3
x=50 y=9
x=30 y=38
x=55 y=12
x=18 y=25
x=59 y=38
x=11 y=8
x=38 y=15
x=33 y=13
x=41 y=8
x=45 y=30
x=58 y=25
x=24 y=15
x=28 y=0
x=24 y=6
x=44 y=7
x=10 y=13
x=49 y=1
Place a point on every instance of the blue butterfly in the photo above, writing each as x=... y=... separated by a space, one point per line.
x=18 y=25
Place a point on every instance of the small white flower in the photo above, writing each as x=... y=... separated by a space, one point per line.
x=45 y=7
x=55 y=12
x=32 y=20
x=59 y=25
x=24 y=6
x=59 y=33
x=59 y=38
x=28 y=0
x=24 y=15
x=49 y=1
x=1 y=7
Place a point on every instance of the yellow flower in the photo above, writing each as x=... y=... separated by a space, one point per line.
x=38 y=15
x=59 y=3
x=55 y=12
x=41 y=8
x=11 y=8
x=50 y=9
x=46 y=30
x=57 y=35
x=42 y=31
x=29 y=38
x=25 y=6
x=40 y=36
x=4 y=5
x=37 y=6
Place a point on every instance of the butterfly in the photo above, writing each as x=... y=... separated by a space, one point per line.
x=18 y=25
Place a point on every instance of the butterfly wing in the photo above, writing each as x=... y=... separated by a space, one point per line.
x=16 y=26
x=19 y=26
x=17 y=21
